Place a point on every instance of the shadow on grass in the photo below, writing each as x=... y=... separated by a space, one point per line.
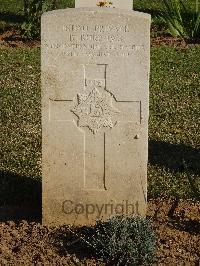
x=10 y=17
x=175 y=157
x=191 y=226
x=20 y=197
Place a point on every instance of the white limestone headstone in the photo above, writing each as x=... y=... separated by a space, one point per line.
x=123 y=4
x=95 y=89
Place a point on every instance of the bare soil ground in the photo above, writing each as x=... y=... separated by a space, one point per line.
x=177 y=225
x=13 y=38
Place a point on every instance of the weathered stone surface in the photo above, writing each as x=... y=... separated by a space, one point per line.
x=95 y=81
x=123 y=4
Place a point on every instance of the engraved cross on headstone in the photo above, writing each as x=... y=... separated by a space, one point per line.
x=95 y=111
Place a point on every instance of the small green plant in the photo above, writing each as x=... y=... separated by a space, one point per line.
x=195 y=187
x=33 y=10
x=126 y=241
x=180 y=20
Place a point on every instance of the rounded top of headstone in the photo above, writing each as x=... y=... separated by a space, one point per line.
x=97 y=10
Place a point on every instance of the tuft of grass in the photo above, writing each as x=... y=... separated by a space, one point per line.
x=156 y=8
x=180 y=20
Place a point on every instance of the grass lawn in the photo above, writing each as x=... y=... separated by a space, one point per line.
x=174 y=128
x=174 y=133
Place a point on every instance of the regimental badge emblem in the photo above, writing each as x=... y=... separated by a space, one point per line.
x=95 y=110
